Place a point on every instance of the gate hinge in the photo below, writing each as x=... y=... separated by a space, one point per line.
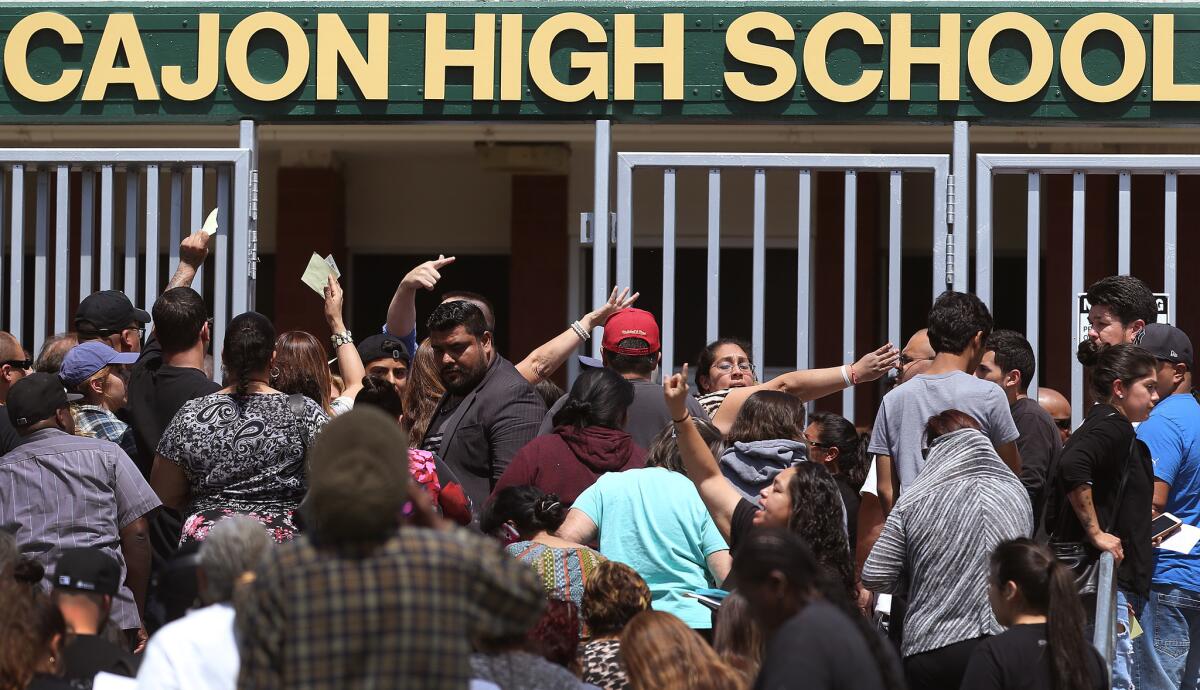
x=949 y=259
x=253 y=196
x=587 y=229
x=252 y=255
x=950 y=199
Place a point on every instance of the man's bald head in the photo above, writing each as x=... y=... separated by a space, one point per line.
x=11 y=357
x=916 y=356
x=1059 y=409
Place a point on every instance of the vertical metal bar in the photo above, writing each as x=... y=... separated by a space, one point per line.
x=87 y=231
x=1078 y=198
x=1170 y=232
x=16 y=281
x=962 y=206
x=3 y=222
x=196 y=217
x=941 y=176
x=248 y=140
x=221 y=263
x=895 y=253
x=1106 y=611
x=106 y=227
x=41 y=258
x=575 y=296
x=849 y=283
x=152 y=286
x=600 y=171
x=759 y=268
x=62 y=247
x=713 y=271
x=804 y=282
x=983 y=232
x=668 y=273
x=132 y=202
x=1033 y=259
x=240 y=237
x=624 y=223
x=1123 y=208
x=176 y=219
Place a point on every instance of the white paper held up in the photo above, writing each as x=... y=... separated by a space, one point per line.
x=210 y=223
x=1182 y=541
x=316 y=275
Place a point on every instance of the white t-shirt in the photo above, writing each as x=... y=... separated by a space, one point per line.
x=341 y=405
x=196 y=652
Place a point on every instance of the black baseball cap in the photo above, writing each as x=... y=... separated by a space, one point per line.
x=1166 y=343
x=109 y=311
x=383 y=346
x=37 y=397
x=88 y=570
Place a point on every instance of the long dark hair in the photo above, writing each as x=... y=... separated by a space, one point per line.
x=300 y=367
x=1110 y=363
x=768 y=415
x=707 y=356
x=421 y=394
x=768 y=550
x=600 y=397
x=835 y=431
x=529 y=508
x=1049 y=587
x=249 y=344
x=817 y=518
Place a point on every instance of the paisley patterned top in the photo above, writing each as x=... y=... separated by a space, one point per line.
x=562 y=571
x=242 y=454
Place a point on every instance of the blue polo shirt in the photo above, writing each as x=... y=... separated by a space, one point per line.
x=1173 y=435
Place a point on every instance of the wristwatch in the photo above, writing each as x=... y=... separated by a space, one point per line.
x=340 y=339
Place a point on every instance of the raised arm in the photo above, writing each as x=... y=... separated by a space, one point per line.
x=810 y=384
x=718 y=494
x=402 y=312
x=193 y=250
x=544 y=361
x=350 y=364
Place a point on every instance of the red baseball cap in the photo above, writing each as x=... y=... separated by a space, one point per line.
x=631 y=323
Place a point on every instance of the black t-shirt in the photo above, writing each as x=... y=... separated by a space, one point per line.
x=821 y=648
x=741 y=523
x=86 y=655
x=1096 y=454
x=156 y=392
x=9 y=438
x=850 y=499
x=1018 y=659
x=1038 y=443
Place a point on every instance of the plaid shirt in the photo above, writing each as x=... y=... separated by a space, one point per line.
x=400 y=616
x=96 y=422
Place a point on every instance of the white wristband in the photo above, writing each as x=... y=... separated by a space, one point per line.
x=845 y=376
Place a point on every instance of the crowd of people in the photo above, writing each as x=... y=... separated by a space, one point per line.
x=421 y=512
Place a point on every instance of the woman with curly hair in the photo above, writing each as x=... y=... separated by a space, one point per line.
x=661 y=653
x=804 y=498
x=613 y=595
x=32 y=631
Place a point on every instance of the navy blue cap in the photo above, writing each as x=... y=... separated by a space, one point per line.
x=85 y=359
x=1167 y=343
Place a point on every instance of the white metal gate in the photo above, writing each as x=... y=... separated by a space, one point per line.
x=1079 y=167
x=197 y=179
x=803 y=165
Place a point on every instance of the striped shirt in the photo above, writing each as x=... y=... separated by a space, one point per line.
x=940 y=536
x=59 y=491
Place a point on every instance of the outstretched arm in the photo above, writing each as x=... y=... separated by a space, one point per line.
x=402 y=312
x=810 y=384
x=718 y=494
x=193 y=250
x=544 y=361
x=350 y=364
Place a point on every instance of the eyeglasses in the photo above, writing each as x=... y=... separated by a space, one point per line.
x=1064 y=424
x=905 y=360
x=726 y=367
x=18 y=363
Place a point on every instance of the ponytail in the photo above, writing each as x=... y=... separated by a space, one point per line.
x=1049 y=588
x=249 y=344
x=1064 y=630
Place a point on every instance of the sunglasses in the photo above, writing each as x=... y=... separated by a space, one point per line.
x=18 y=363
x=1064 y=424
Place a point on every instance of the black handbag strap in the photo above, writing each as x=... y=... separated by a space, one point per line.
x=1051 y=476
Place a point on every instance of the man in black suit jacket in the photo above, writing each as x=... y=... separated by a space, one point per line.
x=489 y=411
